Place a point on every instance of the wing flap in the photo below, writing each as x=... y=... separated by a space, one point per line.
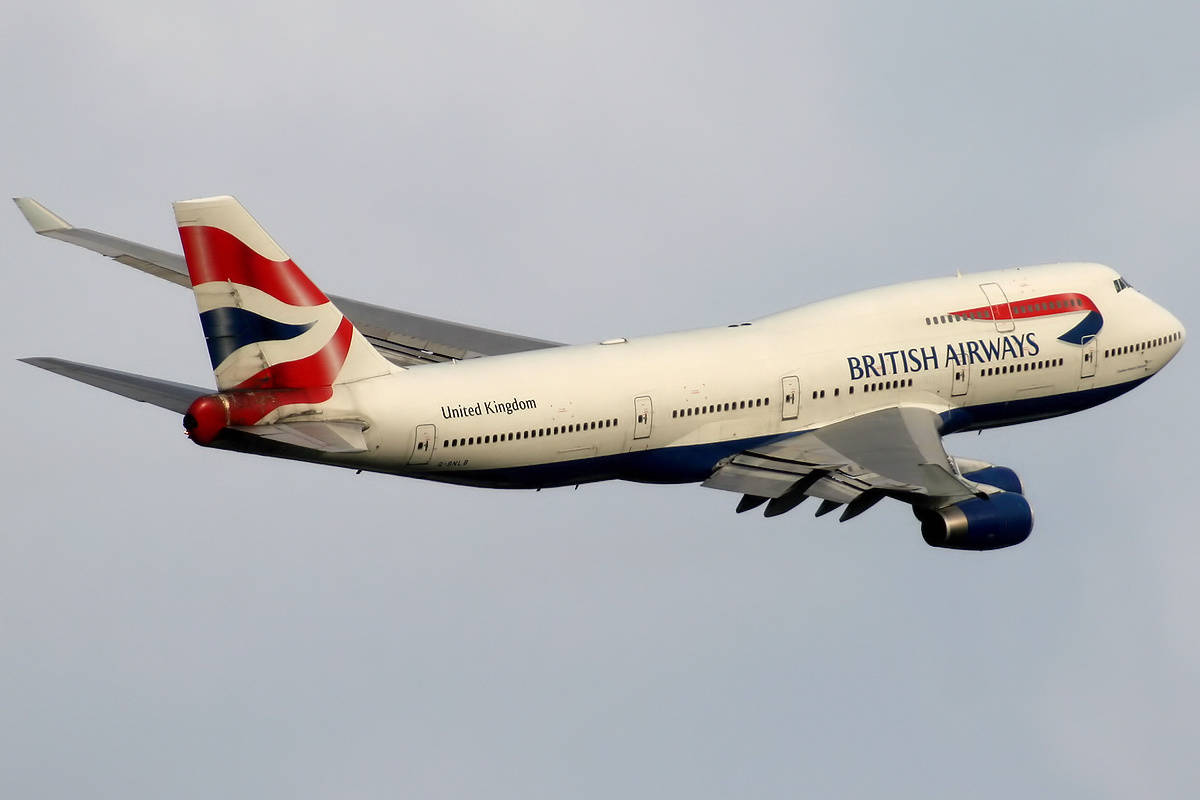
x=892 y=452
x=752 y=481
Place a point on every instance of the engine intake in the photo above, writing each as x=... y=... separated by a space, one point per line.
x=1001 y=520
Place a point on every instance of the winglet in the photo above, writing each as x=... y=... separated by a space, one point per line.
x=41 y=218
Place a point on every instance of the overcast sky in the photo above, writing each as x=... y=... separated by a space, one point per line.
x=176 y=622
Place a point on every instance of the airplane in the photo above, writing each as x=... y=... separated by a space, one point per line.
x=845 y=400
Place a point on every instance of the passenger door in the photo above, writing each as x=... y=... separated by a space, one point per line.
x=962 y=380
x=423 y=444
x=643 y=411
x=791 y=397
x=1087 y=367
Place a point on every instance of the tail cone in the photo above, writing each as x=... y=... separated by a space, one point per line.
x=206 y=417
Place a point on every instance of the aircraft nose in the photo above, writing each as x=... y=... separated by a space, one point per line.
x=1176 y=334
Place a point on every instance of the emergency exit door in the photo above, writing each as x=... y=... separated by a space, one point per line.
x=1000 y=310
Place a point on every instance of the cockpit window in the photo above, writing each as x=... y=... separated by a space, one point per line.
x=1122 y=284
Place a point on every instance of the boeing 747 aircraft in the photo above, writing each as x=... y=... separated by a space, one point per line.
x=845 y=400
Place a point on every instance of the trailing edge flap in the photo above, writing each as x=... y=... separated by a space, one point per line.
x=895 y=449
x=164 y=394
x=327 y=437
x=401 y=337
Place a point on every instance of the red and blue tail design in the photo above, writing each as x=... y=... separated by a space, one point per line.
x=273 y=337
x=1051 y=305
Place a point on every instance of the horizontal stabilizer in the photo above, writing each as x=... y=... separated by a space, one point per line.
x=401 y=337
x=328 y=437
x=164 y=394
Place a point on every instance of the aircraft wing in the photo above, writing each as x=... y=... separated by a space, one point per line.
x=894 y=452
x=402 y=337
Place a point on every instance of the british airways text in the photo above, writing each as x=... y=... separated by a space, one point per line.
x=918 y=359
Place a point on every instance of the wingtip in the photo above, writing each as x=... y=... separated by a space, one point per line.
x=43 y=362
x=40 y=218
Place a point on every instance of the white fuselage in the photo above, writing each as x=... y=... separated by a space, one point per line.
x=668 y=408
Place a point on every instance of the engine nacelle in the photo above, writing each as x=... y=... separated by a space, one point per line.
x=1002 y=478
x=1001 y=520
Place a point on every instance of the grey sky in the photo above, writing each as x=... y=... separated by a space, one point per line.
x=182 y=623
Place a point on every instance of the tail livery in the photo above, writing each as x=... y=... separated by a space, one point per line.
x=278 y=346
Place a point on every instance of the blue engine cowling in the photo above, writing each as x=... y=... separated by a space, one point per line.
x=1001 y=477
x=1001 y=520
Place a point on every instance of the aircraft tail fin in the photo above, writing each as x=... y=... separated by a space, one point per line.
x=266 y=324
x=279 y=348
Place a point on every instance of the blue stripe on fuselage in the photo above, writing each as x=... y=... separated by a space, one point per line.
x=695 y=463
x=1012 y=412
x=680 y=464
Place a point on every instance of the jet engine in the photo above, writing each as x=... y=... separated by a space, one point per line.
x=1001 y=477
x=999 y=520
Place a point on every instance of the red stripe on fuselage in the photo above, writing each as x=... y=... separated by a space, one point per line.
x=1045 y=306
x=213 y=254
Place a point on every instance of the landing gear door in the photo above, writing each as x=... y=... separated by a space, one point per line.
x=423 y=446
x=791 y=397
x=1088 y=365
x=643 y=411
x=1001 y=312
